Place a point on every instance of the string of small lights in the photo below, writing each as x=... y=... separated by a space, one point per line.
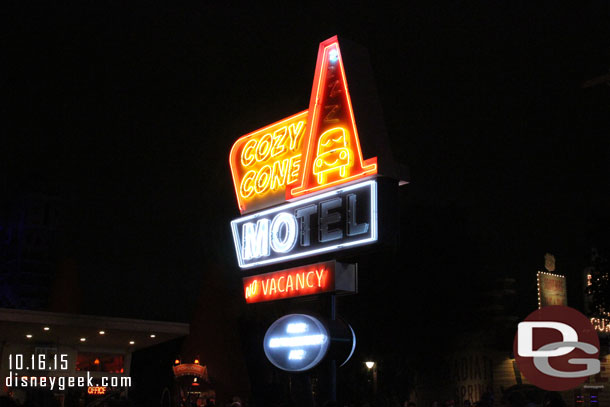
x=538 y=284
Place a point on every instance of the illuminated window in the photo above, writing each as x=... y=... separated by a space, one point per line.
x=99 y=362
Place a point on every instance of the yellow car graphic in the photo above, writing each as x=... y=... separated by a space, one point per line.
x=333 y=154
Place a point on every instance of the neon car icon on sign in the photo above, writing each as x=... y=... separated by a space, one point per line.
x=333 y=154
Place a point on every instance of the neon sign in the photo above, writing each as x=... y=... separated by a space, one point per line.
x=190 y=369
x=335 y=220
x=333 y=154
x=266 y=161
x=97 y=390
x=296 y=342
x=551 y=289
x=305 y=152
x=300 y=281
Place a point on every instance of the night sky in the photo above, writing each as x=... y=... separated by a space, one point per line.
x=126 y=111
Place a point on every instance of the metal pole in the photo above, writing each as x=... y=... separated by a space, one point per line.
x=333 y=363
x=375 y=378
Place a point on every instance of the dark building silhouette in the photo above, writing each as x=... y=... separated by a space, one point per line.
x=29 y=228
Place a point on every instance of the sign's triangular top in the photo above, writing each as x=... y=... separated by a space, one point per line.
x=333 y=153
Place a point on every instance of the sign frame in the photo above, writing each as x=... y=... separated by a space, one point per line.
x=542 y=278
x=341 y=278
x=373 y=237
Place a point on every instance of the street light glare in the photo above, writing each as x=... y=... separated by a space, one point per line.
x=369 y=364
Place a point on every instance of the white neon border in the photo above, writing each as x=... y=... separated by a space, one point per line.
x=373 y=238
x=353 y=344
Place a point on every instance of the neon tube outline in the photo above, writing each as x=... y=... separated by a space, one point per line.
x=372 y=184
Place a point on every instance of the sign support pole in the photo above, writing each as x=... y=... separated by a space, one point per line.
x=333 y=362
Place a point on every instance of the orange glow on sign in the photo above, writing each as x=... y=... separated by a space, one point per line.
x=305 y=152
x=333 y=153
x=267 y=160
x=191 y=369
x=99 y=390
x=295 y=282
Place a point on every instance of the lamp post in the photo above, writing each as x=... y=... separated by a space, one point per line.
x=373 y=366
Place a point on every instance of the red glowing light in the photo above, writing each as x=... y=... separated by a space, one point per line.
x=306 y=152
x=333 y=154
x=99 y=362
x=295 y=282
x=191 y=369
x=98 y=390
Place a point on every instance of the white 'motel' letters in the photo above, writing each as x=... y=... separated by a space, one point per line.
x=331 y=221
x=283 y=232
x=255 y=239
x=287 y=222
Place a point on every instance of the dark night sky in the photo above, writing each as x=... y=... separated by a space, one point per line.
x=127 y=112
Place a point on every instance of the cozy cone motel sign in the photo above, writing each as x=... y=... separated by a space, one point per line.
x=304 y=188
x=309 y=168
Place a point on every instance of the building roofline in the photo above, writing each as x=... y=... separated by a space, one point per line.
x=94 y=321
